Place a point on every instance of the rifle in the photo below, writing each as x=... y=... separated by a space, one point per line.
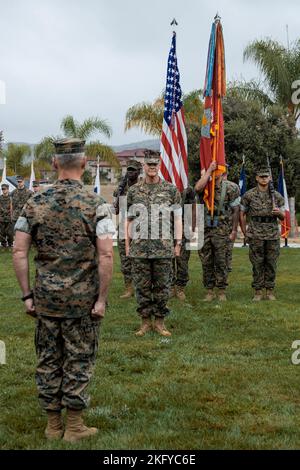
x=120 y=192
x=271 y=186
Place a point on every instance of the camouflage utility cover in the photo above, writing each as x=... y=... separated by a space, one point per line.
x=62 y=222
x=258 y=203
x=145 y=195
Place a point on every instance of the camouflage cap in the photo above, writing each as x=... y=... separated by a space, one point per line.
x=73 y=145
x=152 y=157
x=263 y=171
x=35 y=184
x=19 y=178
x=4 y=185
x=134 y=164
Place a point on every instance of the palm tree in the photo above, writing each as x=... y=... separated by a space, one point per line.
x=45 y=150
x=280 y=67
x=149 y=116
x=15 y=155
x=249 y=91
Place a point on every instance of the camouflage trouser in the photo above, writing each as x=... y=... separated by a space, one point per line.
x=125 y=262
x=230 y=245
x=6 y=234
x=151 y=279
x=180 y=268
x=263 y=255
x=66 y=351
x=213 y=258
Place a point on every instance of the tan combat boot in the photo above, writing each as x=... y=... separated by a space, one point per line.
x=75 y=428
x=172 y=292
x=222 y=295
x=209 y=296
x=129 y=292
x=145 y=327
x=159 y=327
x=258 y=296
x=180 y=293
x=54 y=429
x=270 y=294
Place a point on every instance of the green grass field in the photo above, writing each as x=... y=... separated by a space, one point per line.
x=224 y=380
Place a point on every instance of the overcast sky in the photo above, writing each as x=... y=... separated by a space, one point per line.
x=99 y=57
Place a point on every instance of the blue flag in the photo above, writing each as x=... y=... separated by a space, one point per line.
x=242 y=182
x=97 y=186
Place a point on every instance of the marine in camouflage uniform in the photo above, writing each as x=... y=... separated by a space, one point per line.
x=262 y=233
x=180 y=268
x=133 y=170
x=230 y=243
x=6 y=227
x=62 y=222
x=152 y=253
x=217 y=233
x=19 y=197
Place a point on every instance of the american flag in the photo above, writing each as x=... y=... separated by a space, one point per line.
x=173 y=146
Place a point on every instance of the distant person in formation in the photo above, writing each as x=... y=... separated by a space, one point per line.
x=218 y=231
x=131 y=177
x=19 y=197
x=73 y=239
x=6 y=227
x=262 y=209
x=36 y=186
x=230 y=243
x=180 y=269
x=154 y=207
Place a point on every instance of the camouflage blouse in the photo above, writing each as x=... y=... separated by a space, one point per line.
x=152 y=208
x=19 y=197
x=257 y=203
x=5 y=205
x=62 y=222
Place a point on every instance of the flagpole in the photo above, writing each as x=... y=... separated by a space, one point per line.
x=243 y=166
x=286 y=245
x=217 y=19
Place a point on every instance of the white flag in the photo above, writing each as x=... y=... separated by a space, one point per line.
x=4 y=179
x=32 y=177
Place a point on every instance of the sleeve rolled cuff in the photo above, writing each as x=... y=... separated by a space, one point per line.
x=22 y=225
x=105 y=227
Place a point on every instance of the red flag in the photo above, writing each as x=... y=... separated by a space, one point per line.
x=212 y=146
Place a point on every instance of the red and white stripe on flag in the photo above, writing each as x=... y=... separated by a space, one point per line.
x=173 y=149
x=173 y=146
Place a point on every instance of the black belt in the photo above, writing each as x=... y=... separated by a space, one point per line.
x=264 y=220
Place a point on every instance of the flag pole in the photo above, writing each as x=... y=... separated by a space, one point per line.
x=244 y=159
x=286 y=245
x=217 y=20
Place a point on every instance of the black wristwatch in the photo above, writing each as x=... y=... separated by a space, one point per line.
x=28 y=296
